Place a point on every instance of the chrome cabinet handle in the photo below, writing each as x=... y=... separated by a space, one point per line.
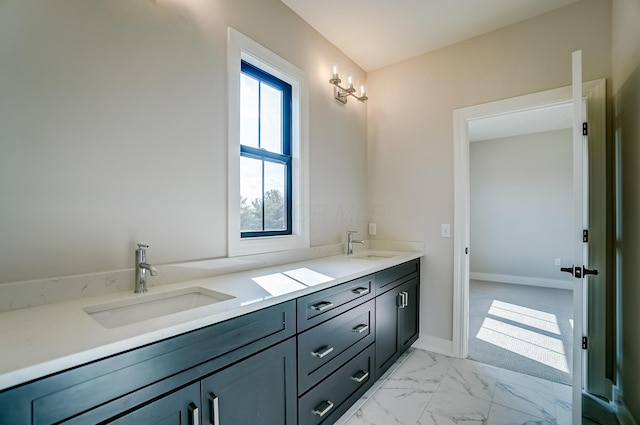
x=360 y=290
x=400 y=300
x=361 y=328
x=360 y=376
x=215 y=418
x=404 y=299
x=194 y=414
x=322 y=351
x=323 y=408
x=322 y=306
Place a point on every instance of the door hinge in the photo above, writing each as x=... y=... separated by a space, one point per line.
x=585 y=236
x=584 y=342
x=466 y=250
x=585 y=129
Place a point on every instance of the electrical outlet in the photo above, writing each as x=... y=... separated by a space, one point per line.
x=445 y=231
x=373 y=229
x=558 y=262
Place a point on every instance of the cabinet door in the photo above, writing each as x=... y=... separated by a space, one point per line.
x=397 y=323
x=177 y=408
x=387 y=350
x=258 y=390
x=409 y=314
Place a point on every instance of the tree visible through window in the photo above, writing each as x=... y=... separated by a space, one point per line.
x=265 y=154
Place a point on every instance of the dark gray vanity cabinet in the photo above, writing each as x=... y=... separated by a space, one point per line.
x=304 y=361
x=397 y=312
x=128 y=383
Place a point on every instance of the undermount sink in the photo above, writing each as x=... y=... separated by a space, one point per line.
x=145 y=307
x=373 y=256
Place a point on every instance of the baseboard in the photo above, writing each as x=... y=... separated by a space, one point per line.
x=622 y=412
x=522 y=280
x=435 y=345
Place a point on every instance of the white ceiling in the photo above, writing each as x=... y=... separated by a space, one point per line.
x=538 y=120
x=377 y=33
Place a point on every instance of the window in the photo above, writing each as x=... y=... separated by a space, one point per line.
x=268 y=150
x=265 y=154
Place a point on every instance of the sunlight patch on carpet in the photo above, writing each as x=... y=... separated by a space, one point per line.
x=538 y=346
x=534 y=318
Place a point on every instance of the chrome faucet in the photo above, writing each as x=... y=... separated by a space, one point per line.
x=351 y=241
x=141 y=269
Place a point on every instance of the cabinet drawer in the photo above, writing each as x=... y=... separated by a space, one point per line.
x=390 y=278
x=333 y=396
x=320 y=306
x=327 y=346
x=178 y=407
x=105 y=381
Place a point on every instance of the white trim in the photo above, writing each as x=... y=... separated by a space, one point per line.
x=523 y=280
x=241 y=47
x=435 y=345
x=461 y=217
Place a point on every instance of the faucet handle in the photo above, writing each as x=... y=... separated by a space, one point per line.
x=143 y=246
x=352 y=231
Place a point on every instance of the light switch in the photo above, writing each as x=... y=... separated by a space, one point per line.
x=373 y=229
x=445 y=231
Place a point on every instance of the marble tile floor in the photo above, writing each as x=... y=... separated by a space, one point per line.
x=425 y=388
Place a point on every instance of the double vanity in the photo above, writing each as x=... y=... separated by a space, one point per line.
x=291 y=344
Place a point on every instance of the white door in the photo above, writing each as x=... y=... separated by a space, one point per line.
x=580 y=194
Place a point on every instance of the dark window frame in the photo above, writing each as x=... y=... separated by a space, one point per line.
x=284 y=158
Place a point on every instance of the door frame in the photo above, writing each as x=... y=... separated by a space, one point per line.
x=594 y=92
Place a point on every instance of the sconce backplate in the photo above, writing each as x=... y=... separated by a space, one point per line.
x=338 y=94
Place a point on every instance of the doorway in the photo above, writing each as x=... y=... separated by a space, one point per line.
x=521 y=221
x=594 y=375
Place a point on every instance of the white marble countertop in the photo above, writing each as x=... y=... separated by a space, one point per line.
x=41 y=340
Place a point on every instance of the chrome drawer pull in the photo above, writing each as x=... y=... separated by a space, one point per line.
x=323 y=351
x=323 y=408
x=215 y=416
x=360 y=290
x=193 y=414
x=322 y=306
x=404 y=299
x=360 y=376
x=360 y=328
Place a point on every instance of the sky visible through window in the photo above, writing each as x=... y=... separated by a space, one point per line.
x=261 y=127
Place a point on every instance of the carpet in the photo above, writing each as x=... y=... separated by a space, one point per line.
x=522 y=328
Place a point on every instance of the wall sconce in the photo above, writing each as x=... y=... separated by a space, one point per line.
x=342 y=93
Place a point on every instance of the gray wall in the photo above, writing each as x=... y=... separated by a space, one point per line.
x=626 y=126
x=410 y=125
x=521 y=196
x=113 y=130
